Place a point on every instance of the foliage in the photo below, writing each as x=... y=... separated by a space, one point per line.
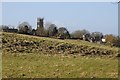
x=116 y=42
x=84 y=31
x=63 y=33
x=24 y=28
x=79 y=34
x=4 y=27
x=33 y=32
x=109 y=38
x=97 y=36
x=52 y=30
x=8 y=28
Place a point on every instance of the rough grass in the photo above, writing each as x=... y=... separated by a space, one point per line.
x=0 y=65
x=27 y=56
x=24 y=43
x=35 y=65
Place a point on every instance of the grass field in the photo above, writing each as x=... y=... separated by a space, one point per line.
x=27 y=56
x=34 y=65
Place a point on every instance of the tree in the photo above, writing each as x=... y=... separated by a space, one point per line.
x=112 y=40
x=84 y=31
x=52 y=30
x=24 y=28
x=4 y=28
x=76 y=35
x=79 y=34
x=116 y=42
x=97 y=36
x=47 y=25
x=63 y=33
x=8 y=28
x=33 y=32
x=109 y=38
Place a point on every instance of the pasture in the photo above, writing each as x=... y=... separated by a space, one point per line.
x=27 y=56
x=36 y=65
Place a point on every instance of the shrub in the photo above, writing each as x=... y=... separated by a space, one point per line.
x=116 y=42
x=63 y=33
x=109 y=38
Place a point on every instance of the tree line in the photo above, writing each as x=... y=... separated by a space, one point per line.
x=52 y=31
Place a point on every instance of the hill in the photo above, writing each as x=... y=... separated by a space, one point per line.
x=26 y=56
x=13 y=42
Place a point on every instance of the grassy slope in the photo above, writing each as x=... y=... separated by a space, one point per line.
x=77 y=42
x=37 y=64
x=25 y=43
x=51 y=66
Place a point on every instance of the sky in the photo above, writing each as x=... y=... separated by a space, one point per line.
x=59 y=0
x=92 y=16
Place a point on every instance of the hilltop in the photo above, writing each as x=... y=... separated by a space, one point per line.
x=14 y=43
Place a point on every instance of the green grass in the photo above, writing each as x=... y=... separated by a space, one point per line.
x=0 y=65
x=34 y=65
x=33 y=62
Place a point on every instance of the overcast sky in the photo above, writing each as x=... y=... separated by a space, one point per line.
x=93 y=16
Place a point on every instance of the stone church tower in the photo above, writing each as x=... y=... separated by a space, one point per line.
x=40 y=27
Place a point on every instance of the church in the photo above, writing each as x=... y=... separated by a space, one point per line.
x=40 y=27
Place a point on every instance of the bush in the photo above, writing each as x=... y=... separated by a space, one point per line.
x=63 y=33
x=109 y=38
x=116 y=42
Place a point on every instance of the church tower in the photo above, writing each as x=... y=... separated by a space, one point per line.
x=40 y=27
x=40 y=22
